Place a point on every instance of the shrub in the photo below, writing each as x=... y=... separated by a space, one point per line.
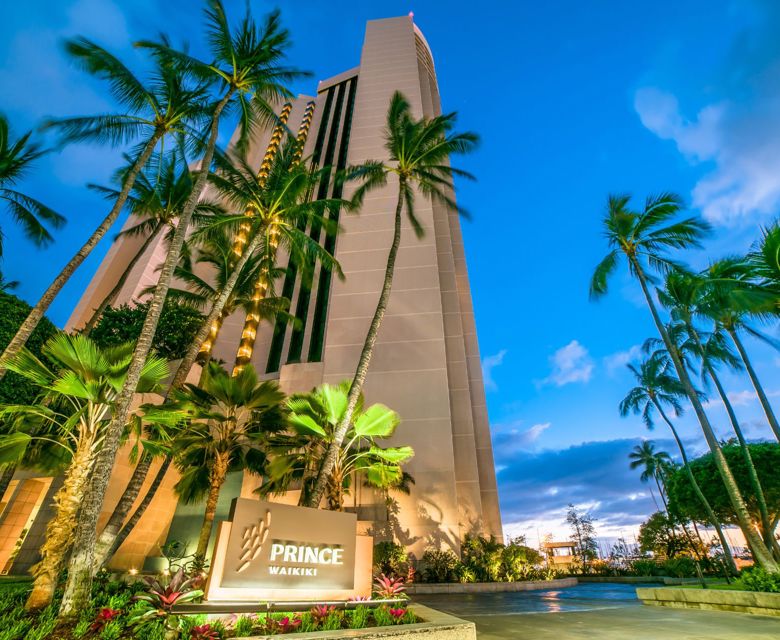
x=644 y=567
x=682 y=567
x=178 y=326
x=359 y=618
x=482 y=556
x=760 y=580
x=382 y=617
x=439 y=565
x=15 y=389
x=390 y=558
x=242 y=628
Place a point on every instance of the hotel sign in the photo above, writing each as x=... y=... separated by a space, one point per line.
x=277 y=546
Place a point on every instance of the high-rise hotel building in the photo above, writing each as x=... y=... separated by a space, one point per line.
x=426 y=364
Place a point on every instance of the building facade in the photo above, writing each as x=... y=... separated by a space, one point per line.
x=426 y=364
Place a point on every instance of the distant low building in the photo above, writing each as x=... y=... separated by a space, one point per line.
x=559 y=555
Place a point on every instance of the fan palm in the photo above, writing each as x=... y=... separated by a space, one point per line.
x=157 y=197
x=644 y=238
x=278 y=210
x=85 y=380
x=162 y=105
x=657 y=387
x=16 y=158
x=313 y=420
x=683 y=294
x=245 y=68
x=731 y=300
x=231 y=418
x=418 y=158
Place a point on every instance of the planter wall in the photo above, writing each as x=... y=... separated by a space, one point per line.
x=419 y=589
x=767 y=604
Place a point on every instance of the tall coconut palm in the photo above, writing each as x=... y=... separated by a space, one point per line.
x=246 y=68
x=731 y=301
x=277 y=210
x=81 y=390
x=418 y=158
x=644 y=238
x=16 y=158
x=157 y=196
x=657 y=387
x=683 y=294
x=231 y=418
x=653 y=464
x=314 y=416
x=164 y=104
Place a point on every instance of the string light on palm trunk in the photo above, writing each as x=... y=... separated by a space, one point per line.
x=252 y=322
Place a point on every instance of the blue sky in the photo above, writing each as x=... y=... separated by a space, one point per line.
x=572 y=100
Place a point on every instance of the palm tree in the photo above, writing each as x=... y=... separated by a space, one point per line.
x=157 y=197
x=163 y=105
x=16 y=158
x=81 y=391
x=656 y=388
x=653 y=463
x=419 y=151
x=277 y=211
x=246 y=67
x=731 y=299
x=644 y=238
x=231 y=418
x=314 y=416
x=216 y=255
x=683 y=295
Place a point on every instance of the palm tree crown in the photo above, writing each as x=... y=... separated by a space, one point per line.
x=16 y=157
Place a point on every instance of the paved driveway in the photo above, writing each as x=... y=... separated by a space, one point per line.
x=595 y=611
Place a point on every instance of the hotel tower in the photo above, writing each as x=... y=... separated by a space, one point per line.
x=426 y=363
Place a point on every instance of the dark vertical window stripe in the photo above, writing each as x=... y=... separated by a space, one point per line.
x=317 y=341
x=280 y=328
x=304 y=292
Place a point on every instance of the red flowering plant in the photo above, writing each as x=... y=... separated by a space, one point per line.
x=162 y=595
x=289 y=625
x=320 y=612
x=389 y=587
x=104 y=616
x=204 y=632
x=397 y=614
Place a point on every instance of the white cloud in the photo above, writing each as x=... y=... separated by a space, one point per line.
x=619 y=360
x=488 y=364
x=571 y=363
x=740 y=398
x=734 y=137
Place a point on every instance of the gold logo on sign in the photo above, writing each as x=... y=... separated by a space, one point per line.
x=252 y=541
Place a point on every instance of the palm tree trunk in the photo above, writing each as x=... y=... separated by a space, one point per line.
x=661 y=493
x=112 y=295
x=141 y=508
x=36 y=313
x=762 y=555
x=105 y=541
x=217 y=479
x=763 y=511
x=60 y=528
x=762 y=398
x=713 y=519
x=106 y=544
x=78 y=587
x=313 y=499
x=217 y=308
x=752 y=474
x=5 y=480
